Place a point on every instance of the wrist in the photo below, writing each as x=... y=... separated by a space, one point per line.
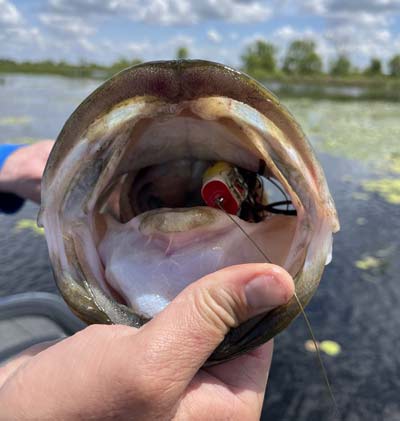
x=9 y=168
x=10 y=200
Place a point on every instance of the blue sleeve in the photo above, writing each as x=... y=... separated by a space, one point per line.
x=9 y=202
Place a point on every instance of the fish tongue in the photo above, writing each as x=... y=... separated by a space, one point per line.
x=153 y=257
x=182 y=225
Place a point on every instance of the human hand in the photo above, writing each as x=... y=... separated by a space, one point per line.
x=118 y=372
x=22 y=171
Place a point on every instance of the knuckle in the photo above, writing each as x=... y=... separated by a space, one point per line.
x=220 y=308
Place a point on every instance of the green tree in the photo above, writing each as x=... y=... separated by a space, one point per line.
x=394 y=66
x=301 y=58
x=374 y=68
x=122 y=63
x=341 y=66
x=182 y=53
x=259 y=57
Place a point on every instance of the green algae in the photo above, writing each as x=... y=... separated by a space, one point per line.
x=387 y=188
x=365 y=132
x=368 y=262
x=23 y=140
x=28 y=224
x=15 y=121
x=329 y=347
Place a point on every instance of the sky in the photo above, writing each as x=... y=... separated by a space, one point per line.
x=104 y=31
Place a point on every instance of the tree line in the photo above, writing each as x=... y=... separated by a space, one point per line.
x=302 y=59
x=259 y=60
x=83 y=69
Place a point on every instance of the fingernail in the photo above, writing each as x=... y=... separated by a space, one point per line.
x=263 y=293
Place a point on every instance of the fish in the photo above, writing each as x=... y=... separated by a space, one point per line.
x=124 y=220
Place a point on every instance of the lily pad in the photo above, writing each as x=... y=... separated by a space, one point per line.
x=367 y=132
x=368 y=262
x=387 y=188
x=329 y=347
x=22 y=140
x=15 y=121
x=28 y=224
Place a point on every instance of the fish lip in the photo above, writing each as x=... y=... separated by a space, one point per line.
x=201 y=82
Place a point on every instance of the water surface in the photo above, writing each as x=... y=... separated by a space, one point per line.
x=358 y=302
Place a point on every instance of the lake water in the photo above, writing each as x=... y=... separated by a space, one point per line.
x=358 y=303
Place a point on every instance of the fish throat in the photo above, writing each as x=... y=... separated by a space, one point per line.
x=136 y=209
x=124 y=202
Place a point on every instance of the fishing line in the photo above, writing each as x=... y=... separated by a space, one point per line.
x=219 y=202
x=281 y=190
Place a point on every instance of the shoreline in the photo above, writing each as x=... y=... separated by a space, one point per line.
x=357 y=88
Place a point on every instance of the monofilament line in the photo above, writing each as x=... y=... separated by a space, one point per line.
x=219 y=203
x=319 y=356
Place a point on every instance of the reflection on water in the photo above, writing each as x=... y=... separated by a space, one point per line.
x=357 y=305
x=333 y=90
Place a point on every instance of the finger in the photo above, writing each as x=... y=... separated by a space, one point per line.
x=12 y=365
x=177 y=342
x=246 y=375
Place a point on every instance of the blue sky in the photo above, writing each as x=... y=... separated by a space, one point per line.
x=219 y=30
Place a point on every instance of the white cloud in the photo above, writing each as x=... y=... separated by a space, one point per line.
x=17 y=37
x=107 y=52
x=288 y=33
x=214 y=36
x=285 y=32
x=233 y=10
x=168 y=12
x=9 y=14
x=86 y=45
x=85 y=7
x=318 y=7
x=359 y=28
x=332 y=7
x=73 y=25
x=360 y=44
x=72 y=29
x=138 y=49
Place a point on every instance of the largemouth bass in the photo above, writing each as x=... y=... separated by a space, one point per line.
x=124 y=219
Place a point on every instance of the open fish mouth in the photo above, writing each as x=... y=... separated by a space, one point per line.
x=126 y=225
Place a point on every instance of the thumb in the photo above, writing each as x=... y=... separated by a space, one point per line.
x=177 y=342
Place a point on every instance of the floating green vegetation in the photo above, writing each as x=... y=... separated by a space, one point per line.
x=387 y=188
x=368 y=262
x=65 y=69
x=15 y=121
x=394 y=164
x=360 y=195
x=361 y=220
x=330 y=348
x=374 y=266
x=367 y=132
x=21 y=140
x=28 y=224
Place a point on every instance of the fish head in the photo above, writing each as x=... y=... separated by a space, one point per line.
x=124 y=219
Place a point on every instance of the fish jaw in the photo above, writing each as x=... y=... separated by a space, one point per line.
x=96 y=141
